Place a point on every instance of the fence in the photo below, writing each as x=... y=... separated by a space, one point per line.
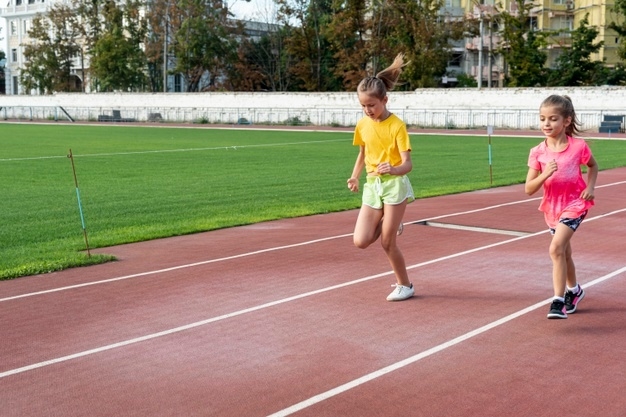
x=417 y=118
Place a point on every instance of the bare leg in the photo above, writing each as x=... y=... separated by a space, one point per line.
x=563 y=270
x=571 y=268
x=391 y=221
x=368 y=226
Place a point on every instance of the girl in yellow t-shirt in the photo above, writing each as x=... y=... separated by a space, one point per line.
x=385 y=153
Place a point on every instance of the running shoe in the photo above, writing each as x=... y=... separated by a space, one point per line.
x=557 y=310
x=572 y=300
x=401 y=292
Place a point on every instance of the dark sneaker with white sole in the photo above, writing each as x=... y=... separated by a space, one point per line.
x=557 y=310
x=572 y=300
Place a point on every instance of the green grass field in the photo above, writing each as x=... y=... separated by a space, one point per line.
x=141 y=183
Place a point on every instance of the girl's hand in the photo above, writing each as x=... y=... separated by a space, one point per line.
x=353 y=184
x=384 y=168
x=587 y=194
x=551 y=168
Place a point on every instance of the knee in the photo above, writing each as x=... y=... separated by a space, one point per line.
x=360 y=243
x=388 y=244
x=557 y=251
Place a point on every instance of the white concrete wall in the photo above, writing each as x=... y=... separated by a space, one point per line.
x=514 y=108
x=584 y=98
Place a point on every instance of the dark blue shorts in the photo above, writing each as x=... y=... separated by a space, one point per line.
x=571 y=223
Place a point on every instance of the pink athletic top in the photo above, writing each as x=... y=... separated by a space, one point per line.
x=561 y=192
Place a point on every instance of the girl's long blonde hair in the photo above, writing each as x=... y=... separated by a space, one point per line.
x=384 y=81
x=565 y=107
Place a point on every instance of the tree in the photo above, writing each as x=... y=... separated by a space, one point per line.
x=204 y=44
x=54 y=44
x=522 y=48
x=348 y=33
x=574 y=66
x=620 y=27
x=264 y=64
x=418 y=29
x=313 y=62
x=2 y=79
x=164 y=19
x=118 y=62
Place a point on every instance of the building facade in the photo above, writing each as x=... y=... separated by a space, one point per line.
x=554 y=16
x=18 y=15
x=476 y=57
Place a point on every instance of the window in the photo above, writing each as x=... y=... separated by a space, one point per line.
x=455 y=59
x=13 y=55
x=177 y=83
x=13 y=28
x=15 y=84
x=564 y=23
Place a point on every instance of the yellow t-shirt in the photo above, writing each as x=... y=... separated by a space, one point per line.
x=383 y=141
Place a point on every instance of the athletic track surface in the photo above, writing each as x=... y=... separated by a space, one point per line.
x=289 y=318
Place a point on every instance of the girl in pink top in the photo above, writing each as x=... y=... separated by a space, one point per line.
x=554 y=164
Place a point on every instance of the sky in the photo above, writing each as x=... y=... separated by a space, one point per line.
x=253 y=10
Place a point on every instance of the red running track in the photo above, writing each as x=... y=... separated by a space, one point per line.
x=289 y=318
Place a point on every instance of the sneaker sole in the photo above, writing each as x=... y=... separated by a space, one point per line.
x=400 y=299
x=557 y=316
x=573 y=310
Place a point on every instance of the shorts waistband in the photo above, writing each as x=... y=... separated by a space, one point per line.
x=383 y=178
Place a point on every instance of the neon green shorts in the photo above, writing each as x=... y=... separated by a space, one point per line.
x=387 y=189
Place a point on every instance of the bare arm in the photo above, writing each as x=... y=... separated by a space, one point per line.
x=535 y=178
x=353 y=181
x=404 y=168
x=592 y=175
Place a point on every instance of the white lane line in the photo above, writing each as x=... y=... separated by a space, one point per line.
x=173 y=268
x=415 y=358
x=262 y=306
x=473 y=228
x=511 y=203
x=236 y=147
x=260 y=251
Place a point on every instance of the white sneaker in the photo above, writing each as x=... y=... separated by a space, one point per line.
x=401 y=293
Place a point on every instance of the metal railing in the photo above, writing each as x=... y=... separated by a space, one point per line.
x=337 y=117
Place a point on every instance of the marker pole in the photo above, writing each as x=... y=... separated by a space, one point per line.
x=80 y=207
x=490 y=132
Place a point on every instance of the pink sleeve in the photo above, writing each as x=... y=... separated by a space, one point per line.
x=585 y=153
x=533 y=162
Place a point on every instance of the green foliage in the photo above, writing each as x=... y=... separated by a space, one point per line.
x=611 y=76
x=347 y=32
x=146 y=183
x=264 y=64
x=118 y=62
x=203 y=44
x=308 y=44
x=54 y=41
x=619 y=26
x=465 y=80
x=418 y=30
x=522 y=48
x=574 y=66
